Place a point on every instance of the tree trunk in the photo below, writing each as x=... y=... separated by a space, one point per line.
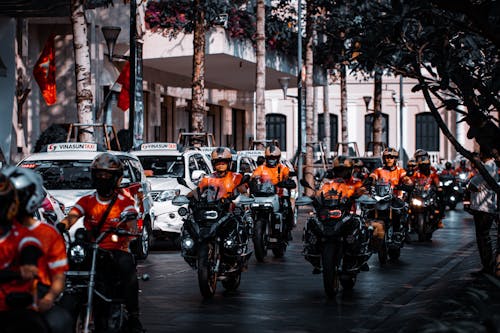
x=326 y=118
x=377 y=113
x=343 y=107
x=198 y=108
x=308 y=170
x=260 y=82
x=84 y=97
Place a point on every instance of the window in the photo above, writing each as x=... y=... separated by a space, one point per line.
x=202 y=165
x=334 y=129
x=276 y=129
x=427 y=132
x=369 y=128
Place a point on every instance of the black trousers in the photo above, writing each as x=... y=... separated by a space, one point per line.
x=483 y=222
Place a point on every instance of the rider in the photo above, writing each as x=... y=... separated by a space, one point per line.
x=463 y=168
x=391 y=173
x=425 y=176
x=448 y=169
x=106 y=173
x=278 y=174
x=223 y=178
x=411 y=167
x=359 y=170
x=19 y=251
x=53 y=264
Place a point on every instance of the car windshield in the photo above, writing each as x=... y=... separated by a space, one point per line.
x=163 y=166
x=62 y=175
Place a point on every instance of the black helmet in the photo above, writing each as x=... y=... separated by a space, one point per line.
x=419 y=154
x=29 y=188
x=447 y=165
x=106 y=172
x=273 y=155
x=390 y=152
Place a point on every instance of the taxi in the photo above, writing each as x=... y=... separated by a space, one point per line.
x=164 y=163
x=65 y=169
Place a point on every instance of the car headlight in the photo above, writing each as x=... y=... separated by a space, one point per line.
x=77 y=254
x=167 y=195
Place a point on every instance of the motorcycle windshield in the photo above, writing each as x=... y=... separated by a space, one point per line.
x=263 y=188
x=382 y=189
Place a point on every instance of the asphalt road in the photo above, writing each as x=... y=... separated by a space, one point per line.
x=282 y=294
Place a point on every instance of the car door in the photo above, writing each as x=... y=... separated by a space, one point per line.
x=134 y=186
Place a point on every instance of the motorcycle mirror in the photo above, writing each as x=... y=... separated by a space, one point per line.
x=180 y=200
x=181 y=181
x=128 y=216
x=245 y=180
x=303 y=201
x=50 y=216
x=61 y=227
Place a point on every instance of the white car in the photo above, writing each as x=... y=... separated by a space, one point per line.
x=164 y=164
x=65 y=169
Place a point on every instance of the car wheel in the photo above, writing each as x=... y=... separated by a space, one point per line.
x=143 y=242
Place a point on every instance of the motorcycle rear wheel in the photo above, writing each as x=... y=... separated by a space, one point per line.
x=331 y=278
x=207 y=279
x=232 y=283
x=259 y=242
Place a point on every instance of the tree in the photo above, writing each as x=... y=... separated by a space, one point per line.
x=84 y=97
x=451 y=48
x=260 y=82
x=198 y=107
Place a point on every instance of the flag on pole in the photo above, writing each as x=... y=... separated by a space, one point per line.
x=124 y=80
x=45 y=72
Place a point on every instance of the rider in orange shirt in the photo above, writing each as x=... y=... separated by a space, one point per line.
x=411 y=167
x=425 y=176
x=448 y=170
x=20 y=252
x=224 y=180
x=107 y=172
x=396 y=176
x=53 y=264
x=278 y=174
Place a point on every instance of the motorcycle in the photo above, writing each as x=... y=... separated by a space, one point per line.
x=451 y=194
x=423 y=212
x=336 y=240
x=107 y=311
x=462 y=180
x=214 y=238
x=269 y=213
x=385 y=207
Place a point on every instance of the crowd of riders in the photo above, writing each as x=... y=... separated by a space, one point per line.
x=33 y=255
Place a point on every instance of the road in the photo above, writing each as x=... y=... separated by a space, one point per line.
x=283 y=295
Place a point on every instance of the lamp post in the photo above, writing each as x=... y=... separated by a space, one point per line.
x=136 y=108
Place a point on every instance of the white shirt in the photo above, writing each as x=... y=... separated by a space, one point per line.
x=485 y=199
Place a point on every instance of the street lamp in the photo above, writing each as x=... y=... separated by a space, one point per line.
x=367 y=100
x=110 y=36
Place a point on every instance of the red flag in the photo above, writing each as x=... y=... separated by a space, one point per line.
x=124 y=80
x=45 y=72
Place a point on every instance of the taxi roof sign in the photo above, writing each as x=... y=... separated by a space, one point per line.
x=251 y=153
x=71 y=146
x=159 y=146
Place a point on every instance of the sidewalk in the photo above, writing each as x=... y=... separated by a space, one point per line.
x=460 y=302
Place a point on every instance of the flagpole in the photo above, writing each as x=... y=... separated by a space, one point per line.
x=131 y=110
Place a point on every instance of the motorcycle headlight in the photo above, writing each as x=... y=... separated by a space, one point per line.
x=440 y=183
x=187 y=243
x=455 y=188
x=448 y=182
x=182 y=211
x=462 y=176
x=416 y=202
x=77 y=254
x=168 y=195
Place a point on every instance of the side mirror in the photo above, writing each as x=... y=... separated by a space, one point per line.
x=128 y=216
x=50 y=216
x=181 y=181
x=180 y=200
x=303 y=201
x=196 y=175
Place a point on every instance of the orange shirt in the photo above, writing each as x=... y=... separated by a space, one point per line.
x=393 y=177
x=345 y=188
x=54 y=260
x=92 y=209
x=446 y=172
x=11 y=245
x=273 y=175
x=420 y=179
x=226 y=184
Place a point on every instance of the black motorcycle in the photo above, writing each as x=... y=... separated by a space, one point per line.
x=451 y=190
x=423 y=211
x=90 y=295
x=387 y=205
x=270 y=213
x=214 y=238
x=336 y=241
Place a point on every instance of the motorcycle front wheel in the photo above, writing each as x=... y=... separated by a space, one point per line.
x=421 y=227
x=394 y=254
x=259 y=241
x=207 y=278
x=232 y=283
x=382 y=252
x=331 y=277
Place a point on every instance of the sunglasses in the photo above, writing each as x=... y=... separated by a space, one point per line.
x=389 y=157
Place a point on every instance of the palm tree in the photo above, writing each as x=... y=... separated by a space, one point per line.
x=260 y=82
x=198 y=108
x=377 y=112
x=84 y=97
x=309 y=63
